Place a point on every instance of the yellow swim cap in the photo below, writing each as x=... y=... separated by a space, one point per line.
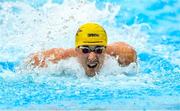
x=91 y=34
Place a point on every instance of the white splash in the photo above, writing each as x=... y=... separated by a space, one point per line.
x=54 y=25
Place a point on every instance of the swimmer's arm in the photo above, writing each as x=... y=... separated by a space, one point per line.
x=54 y=55
x=124 y=53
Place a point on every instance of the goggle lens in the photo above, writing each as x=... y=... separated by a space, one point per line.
x=85 y=50
x=97 y=49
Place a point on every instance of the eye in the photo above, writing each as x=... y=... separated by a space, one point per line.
x=85 y=50
x=98 y=50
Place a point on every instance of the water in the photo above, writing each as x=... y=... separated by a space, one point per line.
x=151 y=27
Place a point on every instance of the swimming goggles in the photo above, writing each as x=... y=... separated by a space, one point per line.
x=88 y=49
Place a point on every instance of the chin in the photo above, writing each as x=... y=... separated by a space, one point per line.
x=91 y=74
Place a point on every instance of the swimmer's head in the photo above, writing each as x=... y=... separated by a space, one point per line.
x=91 y=34
x=91 y=42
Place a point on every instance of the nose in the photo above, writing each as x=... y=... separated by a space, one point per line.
x=92 y=57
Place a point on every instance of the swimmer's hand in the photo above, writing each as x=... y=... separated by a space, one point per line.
x=124 y=53
x=40 y=59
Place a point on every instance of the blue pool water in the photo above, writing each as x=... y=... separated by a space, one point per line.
x=152 y=27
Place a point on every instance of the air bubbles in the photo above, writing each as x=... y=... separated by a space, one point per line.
x=65 y=27
x=22 y=22
x=49 y=32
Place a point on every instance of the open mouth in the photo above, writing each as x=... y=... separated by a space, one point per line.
x=92 y=65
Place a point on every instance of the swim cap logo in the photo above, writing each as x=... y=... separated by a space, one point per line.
x=93 y=35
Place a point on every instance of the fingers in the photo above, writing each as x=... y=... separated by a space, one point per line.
x=37 y=60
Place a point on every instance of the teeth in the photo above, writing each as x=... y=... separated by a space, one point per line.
x=92 y=64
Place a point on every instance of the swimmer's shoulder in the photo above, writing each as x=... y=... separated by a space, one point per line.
x=120 y=47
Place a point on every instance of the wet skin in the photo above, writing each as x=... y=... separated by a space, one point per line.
x=91 y=62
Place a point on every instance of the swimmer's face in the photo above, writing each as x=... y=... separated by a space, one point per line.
x=91 y=58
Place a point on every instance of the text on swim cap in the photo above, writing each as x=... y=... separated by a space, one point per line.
x=93 y=35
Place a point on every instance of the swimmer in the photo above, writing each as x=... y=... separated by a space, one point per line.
x=90 y=49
